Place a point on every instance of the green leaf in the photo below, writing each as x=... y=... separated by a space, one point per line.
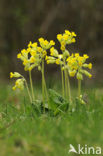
x=57 y=102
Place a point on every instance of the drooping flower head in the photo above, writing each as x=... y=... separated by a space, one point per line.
x=19 y=83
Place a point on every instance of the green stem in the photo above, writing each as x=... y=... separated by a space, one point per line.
x=65 y=74
x=28 y=91
x=43 y=85
x=69 y=89
x=79 y=88
x=31 y=83
x=67 y=84
x=45 y=91
x=62 y=75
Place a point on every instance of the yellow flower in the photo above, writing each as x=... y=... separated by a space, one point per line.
x=80 y=63
x=41 y=39
x=53 y=52
x=19 y=55
x=57 y=61
x=62 y=48
x=73 y=34
x=63 y=43
x=34 y=45
x=32 y=59
x=11 y=75
x=59 y=37
x=25 y=62
x=68 y=32
x=48 y=61
x=72 y=55
x=85 y=56
x=23 y=51
x=80 y=59
x=33 y=53
x=28 y=50
x=76 y=54
x=73 y=60
x=73 y=40
x=44 y=53
x=46 y=57
x=39 y=49
x=46 y=42
x=65 y=37
x=90 y=65
x=30 y=44
x=52 y=42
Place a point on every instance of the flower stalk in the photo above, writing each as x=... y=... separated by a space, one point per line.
x=62 y=76
x=43 y=86
x=31 y=84
x=79 y=88
x=28 y=91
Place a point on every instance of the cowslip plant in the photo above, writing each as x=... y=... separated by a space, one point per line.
x=60 y=59
x=32 y=57
x=45 y=45
x=70 y=65
x=65 y=39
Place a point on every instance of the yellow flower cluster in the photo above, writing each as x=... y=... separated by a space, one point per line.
x=19 y=82
x=76 y=65
x=28 y=56
x=66 y=38
x=32 y=56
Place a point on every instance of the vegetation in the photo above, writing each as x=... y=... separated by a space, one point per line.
x=24 y=131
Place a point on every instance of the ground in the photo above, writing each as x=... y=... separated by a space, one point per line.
x=24 y=133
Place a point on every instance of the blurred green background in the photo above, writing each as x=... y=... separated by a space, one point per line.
x=23 y=20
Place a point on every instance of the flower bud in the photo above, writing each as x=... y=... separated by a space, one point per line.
x=15 y=74
x=87 y=73
x=72 y=73
x=39 y=68
x=66 y=53
x=79 y=76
